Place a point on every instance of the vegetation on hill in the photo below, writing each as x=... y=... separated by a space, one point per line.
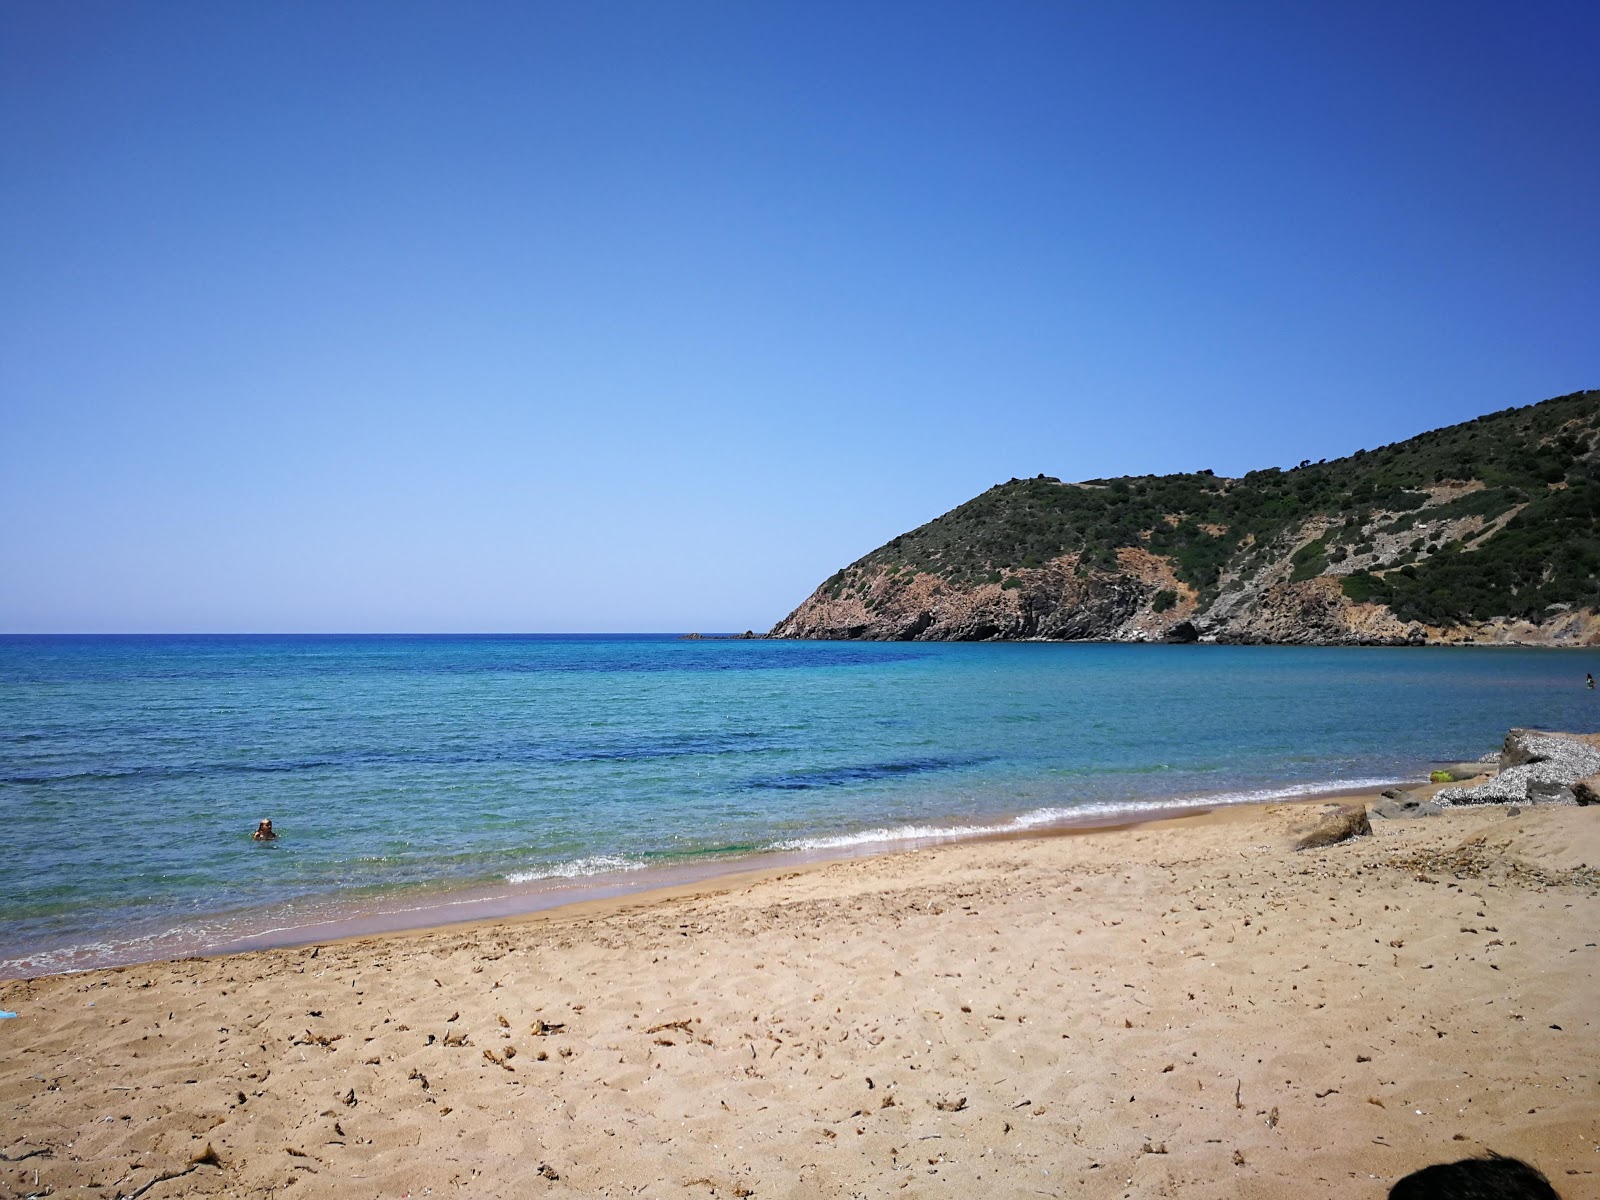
x=1546 y=557
x=1536 y=465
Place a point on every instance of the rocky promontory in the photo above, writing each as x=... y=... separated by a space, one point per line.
x=1484 y=532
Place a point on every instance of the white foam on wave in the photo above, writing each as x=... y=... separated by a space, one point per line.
x=206 y=936
x=92 y=956
x=1073 y=814
x=579 y=868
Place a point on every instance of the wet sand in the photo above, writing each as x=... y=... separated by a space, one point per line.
x=1186 y=1007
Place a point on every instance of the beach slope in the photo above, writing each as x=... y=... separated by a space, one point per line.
x=1189 y=1008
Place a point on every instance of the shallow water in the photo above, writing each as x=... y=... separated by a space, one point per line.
x=401 y=770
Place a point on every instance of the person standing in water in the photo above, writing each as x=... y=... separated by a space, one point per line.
x=264 y=832
x=1588 y=681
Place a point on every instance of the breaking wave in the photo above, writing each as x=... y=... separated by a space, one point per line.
x=578 y=868
x=1077 y=814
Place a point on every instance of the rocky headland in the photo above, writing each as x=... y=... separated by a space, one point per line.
x=1486 y=532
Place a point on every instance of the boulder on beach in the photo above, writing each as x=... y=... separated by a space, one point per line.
x=1342 y=824
x=1460 y=772
x=1587 y=790
x=1535 y=768
x=1398 y=802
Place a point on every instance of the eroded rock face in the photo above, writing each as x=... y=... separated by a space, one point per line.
x=1052 y=603
x=1059 y=603
x=1312 y=612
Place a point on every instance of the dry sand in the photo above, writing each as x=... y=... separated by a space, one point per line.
x=1186 y=1008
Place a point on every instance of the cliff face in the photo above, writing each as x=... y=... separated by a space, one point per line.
x=1484 y=532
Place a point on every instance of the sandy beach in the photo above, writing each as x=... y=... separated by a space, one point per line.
x=1183 y=1008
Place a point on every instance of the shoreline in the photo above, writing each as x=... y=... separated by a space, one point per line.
x=1185 y=1006
x=741 y=874
x=480 y=778
x=478 y=903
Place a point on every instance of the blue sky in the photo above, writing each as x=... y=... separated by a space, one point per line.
x=603 y=316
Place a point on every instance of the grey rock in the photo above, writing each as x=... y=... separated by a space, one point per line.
x=1536 y=768
x=1587 y=790
x=1534 y=746
x=1518 y=748
x=1398 y=803
x=1540 y=792
x=1508 y=787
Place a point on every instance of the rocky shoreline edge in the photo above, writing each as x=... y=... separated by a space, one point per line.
x=1532 y=767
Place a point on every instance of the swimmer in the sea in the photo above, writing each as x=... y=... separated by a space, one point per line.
x=264 y=832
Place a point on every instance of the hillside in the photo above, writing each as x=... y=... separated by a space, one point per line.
x=1487 y=531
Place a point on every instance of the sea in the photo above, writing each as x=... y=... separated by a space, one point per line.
x=417 y=780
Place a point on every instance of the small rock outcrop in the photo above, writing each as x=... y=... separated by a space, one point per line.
x=1535 y=768
x=1399 y=803
x=1340 y=825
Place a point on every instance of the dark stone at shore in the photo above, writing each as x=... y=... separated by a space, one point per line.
x=1523 y=746
x=1587 y=791
x=1345 y=822
x=1545 y=792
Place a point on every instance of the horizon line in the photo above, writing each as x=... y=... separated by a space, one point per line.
x=373 y=633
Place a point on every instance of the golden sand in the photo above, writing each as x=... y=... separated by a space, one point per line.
x=1187 y=1008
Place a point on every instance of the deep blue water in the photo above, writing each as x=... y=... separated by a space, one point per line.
x=132 y=769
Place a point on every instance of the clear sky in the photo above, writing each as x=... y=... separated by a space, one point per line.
x=345 y=316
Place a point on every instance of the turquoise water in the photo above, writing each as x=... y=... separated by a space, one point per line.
x=132 y=769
